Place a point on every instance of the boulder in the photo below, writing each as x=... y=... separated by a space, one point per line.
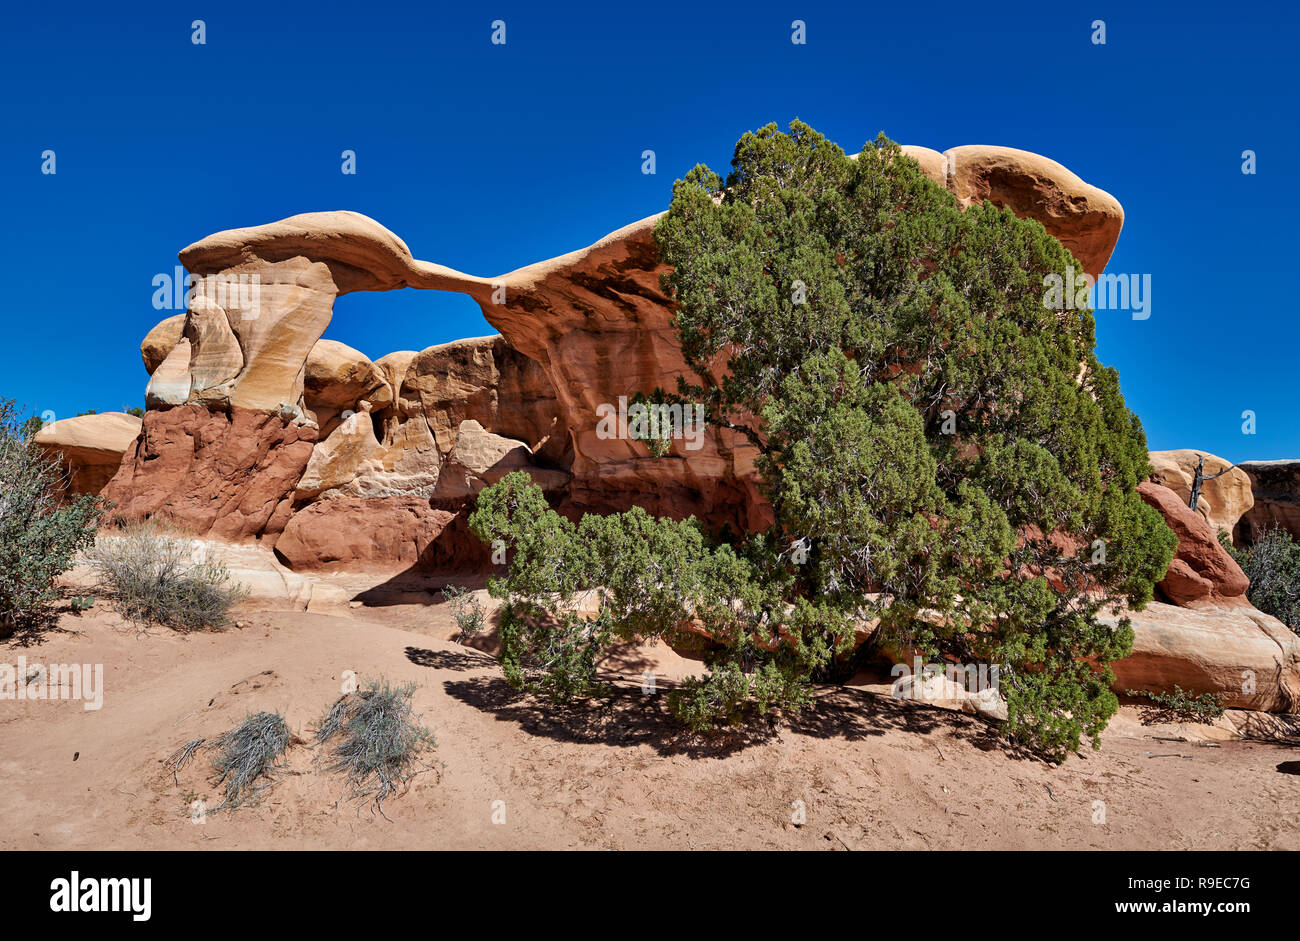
x=337 y=462
x=1250 y=657
x=160 y=341
x=170 y=383
x=938 y=689
x=1201 y=572
x=338 y=377
x=1087 y=220
x=378 y=533
x=1276 y=489
x=89 y=447
x=1223 y=500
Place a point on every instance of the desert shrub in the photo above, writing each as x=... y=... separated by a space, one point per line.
x=247 y=756
x=1272 y=563
x=378 y=741
x=41 y=528
x=178 y=759
x=465 y=611
x=1179 y=705
x=152 y=576
x=932 y=427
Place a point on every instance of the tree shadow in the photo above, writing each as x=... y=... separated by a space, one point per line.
x=855 y=714
x=627 y=717
x=1272 y=727
x=449 y=659
x=415 y=586
x=34 y=631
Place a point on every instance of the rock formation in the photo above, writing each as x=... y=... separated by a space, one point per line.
x=226 y=475
x=1223 y=501
x=1276 y=487
x=89 y=447
x=1085 y=219
x=1250 y=658
x=1201 y=571
x=259 y=429
x=578 y=332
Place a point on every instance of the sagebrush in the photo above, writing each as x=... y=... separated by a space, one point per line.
x=247 y=757
x=466 y=611
x=378 y=741
x=156 y=575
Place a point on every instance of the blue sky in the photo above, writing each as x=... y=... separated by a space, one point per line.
x=487 y=157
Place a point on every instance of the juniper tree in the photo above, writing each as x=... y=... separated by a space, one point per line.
x=941 y=449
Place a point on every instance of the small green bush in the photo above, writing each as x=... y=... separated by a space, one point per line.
x=41 y=529
x=466 y=611
x=1179 y=705
x=151 y=574
x=1272 y=564
x=379 y=741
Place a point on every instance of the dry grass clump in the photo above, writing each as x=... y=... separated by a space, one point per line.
x=378 y=741
x=156 y=575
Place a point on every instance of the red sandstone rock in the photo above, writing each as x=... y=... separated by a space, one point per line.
x=227 y=476
x=348 y=533
x=1202 y=570
x=1276 y=488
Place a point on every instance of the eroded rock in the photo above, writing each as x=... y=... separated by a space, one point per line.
x=89 y=447
x=1201 y=571
x=1223 y=501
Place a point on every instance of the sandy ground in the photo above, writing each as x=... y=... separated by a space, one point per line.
x=861 y=771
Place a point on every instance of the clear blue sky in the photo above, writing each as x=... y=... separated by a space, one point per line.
x=488 y=157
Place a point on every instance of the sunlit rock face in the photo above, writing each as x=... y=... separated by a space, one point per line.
x=579 y=333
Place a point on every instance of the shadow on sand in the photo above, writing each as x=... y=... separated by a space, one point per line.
x=627 y=717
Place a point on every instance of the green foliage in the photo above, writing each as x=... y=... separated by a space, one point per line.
x=41 y=528
x=940 y=447
x=1179 y=706
x=247 y=756
x=1272 y=564
x=465 y=611
x=152 y=575
x=379 y=740
x=81 y=604
x=135 y=410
